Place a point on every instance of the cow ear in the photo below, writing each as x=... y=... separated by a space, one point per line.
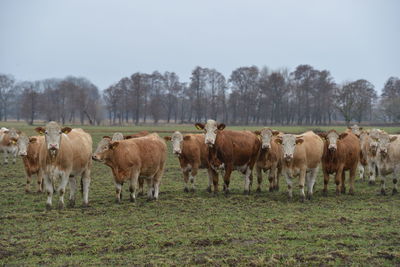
x=221 y=126
x=360 y=128
x=167 y=138
x=6 y=132
x=278 y=141
x=322 y=135
x=257 y=132
x=299 y=141
x=199 y=126
x=348 y=127
x=13 y=140
x=66 y=130
x=32 y=140
x=40 y=130
x=393 y=138
x=113 y=145
x=186 y=137
x=107 y=137
x=19 y=132
x=343 y=135
x=275 y=132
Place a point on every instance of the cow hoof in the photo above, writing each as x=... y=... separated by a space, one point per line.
x=271 y=189
x=371 y=182
x=309 y=196
x=149 y=199
x=48 y=206
x=302 y=199
x=394 y=191
x=192 y=190
x=351 y=192
x=208 y=189
x=118 y=201
x=226 y=191
x=132 y=199
x=215 y=193
x=140 y=194
x=85 y=205
x=246 y=192
x=325 y=193
x=258 y=190
x=337 y=192
x=343 y=190
x=277 y=189
x=71 y=203
x=60 y=206
x=383 y=192
x=186 y=190
x=27 y=191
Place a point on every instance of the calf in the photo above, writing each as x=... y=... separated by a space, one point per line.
x=301 y=157
x=341 y=153
x=133 y=158
x=269 y=159
x=66 y=153
x=8 y=143
x=192 y=153
x=389 y=159
x=28 y=149
x=231 y=150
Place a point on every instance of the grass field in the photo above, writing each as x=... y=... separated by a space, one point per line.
x=196 y=228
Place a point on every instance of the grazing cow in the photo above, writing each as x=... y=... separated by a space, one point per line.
x=301 y=157
x=28 y=149
x=341 y=153
x=8 y=143
x=66 y=154
x=231 y=150
x=139 y=134
x=133 y=158
x=192 y=153
x=270 y=158
x=389 y=159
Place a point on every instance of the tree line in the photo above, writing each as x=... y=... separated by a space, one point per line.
x=250 y=95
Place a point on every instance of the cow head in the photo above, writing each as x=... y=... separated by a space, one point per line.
x=331 y=138
x=266 y=135
x=211 y=128
x=289 y=142
x=52 y=136
x=102 y=147
x=117 y=136
x=355 y=129
x=13 y=136
x=22 y=143
x=177 y=141
x=384 y=143
x=374 y=144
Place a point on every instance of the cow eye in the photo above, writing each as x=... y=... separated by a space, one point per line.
x=45 y=132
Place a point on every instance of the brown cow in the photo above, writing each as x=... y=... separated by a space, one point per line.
x=341 y=153
x=66 y=153
x=270 y=158
x=231 y=150
x=133 y=158
x=28 y=149
x=301 y=157
x=193 y=154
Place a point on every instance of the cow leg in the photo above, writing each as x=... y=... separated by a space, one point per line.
x=302 y=183
x=118 y=189
x=150 y=188
x=278 y=174
x=186 y=180
x=210 y=179
x=338 y=180
x=227 y=177
x=5 y=156
x=214 y=180
x=372 y=173
x=312 y=176
x=61 y=189
x=259 y=178
x=394 y=191
x=383 y=185
x=351 y=179
x=157 y=181
x=326 y=181
x=272 y=178
x=289 y=183
x=247 y=181
x=192 y=176
x=133 y=184
x=14 y=154
x=141 y=184
x=361 y=171
x=72 y=191
x=85 y=180
x=39 y=182
x=49 y=189
x=343 y=187
x=28 y=182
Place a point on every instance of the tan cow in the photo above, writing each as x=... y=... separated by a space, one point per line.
x=341 y=153
x=301 y=157
x=28 y=149
x=192 y=153
x=389 y=159
x=269 y=159
x=231 y=150
x=66 y=154
x=370 y=147
x=8 y=143
x=133 y=158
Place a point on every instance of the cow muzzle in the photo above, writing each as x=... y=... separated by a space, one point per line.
x=266 y=147
x=22 y=154
x=383 y=153
x=332 y=148
x=177 y=152
x=288 y=157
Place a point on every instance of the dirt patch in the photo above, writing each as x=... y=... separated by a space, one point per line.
x=207 y=242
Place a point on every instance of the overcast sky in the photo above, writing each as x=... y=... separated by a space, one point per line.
x=107 y=40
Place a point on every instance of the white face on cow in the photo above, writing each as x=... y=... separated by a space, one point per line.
x=177 y=139
x=52 y=135
x=289 y=142
x=102 y=147
x=211 y=128
x=374 y=144
x=266 y=136
x=22 y=143
x=384 y=143
x=355 y=129
x=117 y=137
x=332 y=139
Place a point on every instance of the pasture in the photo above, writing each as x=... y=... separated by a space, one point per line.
x=262 y=229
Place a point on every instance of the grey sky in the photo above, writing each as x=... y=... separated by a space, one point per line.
x=107 y=40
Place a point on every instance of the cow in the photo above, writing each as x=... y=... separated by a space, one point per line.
x=66 y=154
x=370 y=148
x=301 y=157
x=139 y=134
x=8 y=143
x=355 y=129
x=192 y=153
x=28 y=149
x=269 y=159
x=231 y=150
x=388 y=159
x=341 y=154
x=133 y=158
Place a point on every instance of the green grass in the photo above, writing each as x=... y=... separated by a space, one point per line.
x=196 y=228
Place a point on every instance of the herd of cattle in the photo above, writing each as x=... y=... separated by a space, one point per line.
x=65 y=154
